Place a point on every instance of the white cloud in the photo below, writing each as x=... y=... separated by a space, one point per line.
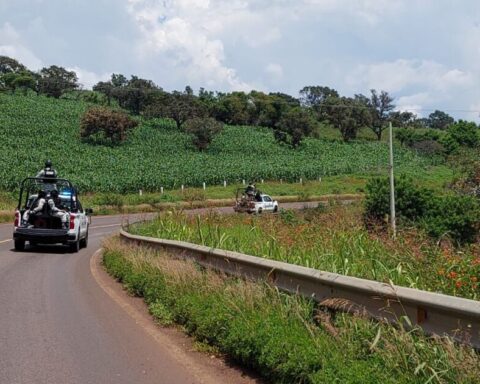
x=12 y=45
x=398 y=75
x=274 y=70
x=176 y=34
x=413 y=103
x=88 y=79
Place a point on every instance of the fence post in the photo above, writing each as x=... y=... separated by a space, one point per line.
x=243 y=181
x=204 y=186
x=182 y=188
x=140 y=192
x=224 y=183
x=161 y=190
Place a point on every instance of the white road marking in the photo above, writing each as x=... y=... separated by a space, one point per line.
x=5 y=241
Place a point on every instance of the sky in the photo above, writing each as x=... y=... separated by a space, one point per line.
x=425 y=53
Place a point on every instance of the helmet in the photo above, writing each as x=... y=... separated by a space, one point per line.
x=54 y=193
x=41 y=193
x=48 y=163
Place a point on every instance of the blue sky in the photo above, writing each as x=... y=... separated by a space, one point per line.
x=426 y=53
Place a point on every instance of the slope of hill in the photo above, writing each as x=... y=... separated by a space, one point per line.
x=156 y=154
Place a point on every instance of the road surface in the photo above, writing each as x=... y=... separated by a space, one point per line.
x=58 y=324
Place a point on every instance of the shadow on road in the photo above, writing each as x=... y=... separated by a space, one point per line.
x=47 y=248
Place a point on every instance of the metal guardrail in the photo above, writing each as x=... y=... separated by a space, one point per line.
x=435 y=313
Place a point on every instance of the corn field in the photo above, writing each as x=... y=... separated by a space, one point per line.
x=156 y=155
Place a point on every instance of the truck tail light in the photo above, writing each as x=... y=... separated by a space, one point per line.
x=72 y=221
x=17 y=219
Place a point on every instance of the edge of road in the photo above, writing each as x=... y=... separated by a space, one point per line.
x=207 y=369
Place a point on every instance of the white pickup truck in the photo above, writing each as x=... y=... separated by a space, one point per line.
x=45 y=228
x=256 y=203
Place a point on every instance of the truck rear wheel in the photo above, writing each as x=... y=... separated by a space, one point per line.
x=84 y=241
x=259 y=210
x=19 y=245
x=75 y=247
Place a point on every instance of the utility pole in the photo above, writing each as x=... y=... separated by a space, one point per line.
x=392 y=185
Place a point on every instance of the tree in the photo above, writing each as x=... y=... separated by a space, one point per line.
x=403 y=119
x=203 y=131
x=101 y=125
x=55 y=81
x=440 y=120
x=106 y=88
x=14 y=75
x=177 y=106
x=135 y=94
x=8 y=65
x=118 y=80
x=314 y=96
x=294 y=125
x=208 y=100
x=347 y=114
x=262 y=110
x=380 y=106
x=234 y=108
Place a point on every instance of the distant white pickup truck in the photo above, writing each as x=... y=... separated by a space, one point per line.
x=256 y=203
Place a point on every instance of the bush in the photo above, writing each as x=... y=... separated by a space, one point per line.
x=462 y=133
x=465 y=133
x=411 y=201
x=425 y=141
x=457 y=217
x=203 y=130
x=102 y=125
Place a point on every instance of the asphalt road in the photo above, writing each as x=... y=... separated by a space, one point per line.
x=58 y=325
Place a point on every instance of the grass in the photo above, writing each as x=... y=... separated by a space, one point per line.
x=285 y=338
x=109 y=203
x=335 y=240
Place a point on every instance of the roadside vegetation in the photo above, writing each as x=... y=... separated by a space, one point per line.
x=333 y=239
x=285 y=338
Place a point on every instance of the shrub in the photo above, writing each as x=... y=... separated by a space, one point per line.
x=462 y=133
x=457 y=217
x=203 y=131
x=411 y=201
x=103 y=125
x=424 y=141
x=465 y=133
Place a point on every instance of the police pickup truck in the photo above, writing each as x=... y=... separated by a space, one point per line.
x=254 y=203
x=44 y=226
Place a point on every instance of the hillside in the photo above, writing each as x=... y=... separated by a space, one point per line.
x=156 y=154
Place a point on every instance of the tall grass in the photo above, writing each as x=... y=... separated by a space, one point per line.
x=334 y=240
x=285 y=338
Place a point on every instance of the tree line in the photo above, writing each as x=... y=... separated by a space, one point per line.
x=291 y=118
